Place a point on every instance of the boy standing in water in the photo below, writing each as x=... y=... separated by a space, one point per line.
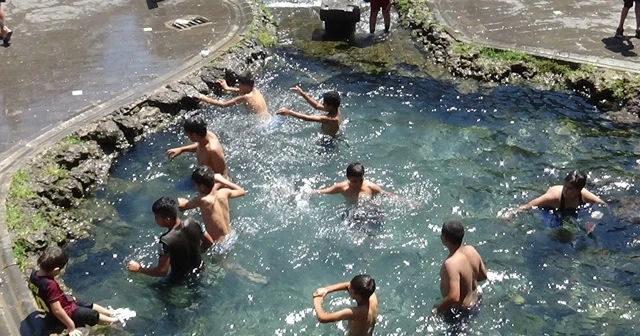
x=214 y=206
x=355 y=186
x=330 y=123
x=459 y=275
x=207 y=146
x=58 y=307
x=567 y=197
x=180 y=246
x=361 y=318
x=247 y=95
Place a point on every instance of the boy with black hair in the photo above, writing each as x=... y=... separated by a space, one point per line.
x=214 y=206
x=330 y=123
x=562 y=198
x=459 y=275
x=247 y=95
x=58 y=307
x=362 y=317
x=355 y=186
x=180 y=246
x=206 y=146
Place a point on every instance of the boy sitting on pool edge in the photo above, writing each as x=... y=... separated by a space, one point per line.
x=361 y=318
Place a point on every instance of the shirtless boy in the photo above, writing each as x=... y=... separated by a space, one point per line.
x=362 y=317
x=355 y=187
x=459 y=275
x=207 y=146
x=566 y=197
x=247 y=95
x=330 y=123
x=214 y=206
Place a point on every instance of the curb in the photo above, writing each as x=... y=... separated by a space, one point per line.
x=600 y=62
x=17 y=309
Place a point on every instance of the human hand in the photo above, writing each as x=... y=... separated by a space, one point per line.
x=182 y=202
x=134 y=266
x=223 y=84
x=283 y=111
x=75 y=332
x=172 y=153
x=297 y=89
x=197 y=96
x=320 y=292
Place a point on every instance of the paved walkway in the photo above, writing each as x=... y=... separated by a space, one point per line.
x=69 y=55
x=576 y=30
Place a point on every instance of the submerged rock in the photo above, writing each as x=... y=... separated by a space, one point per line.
x=629 y=209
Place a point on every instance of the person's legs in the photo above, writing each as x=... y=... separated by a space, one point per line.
x=374 y=16
x=386 y=14
x=637 y=17
x=105 y=319
x=623 y=16
x=102 y=310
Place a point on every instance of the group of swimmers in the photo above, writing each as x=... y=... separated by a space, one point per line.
x=185 y=240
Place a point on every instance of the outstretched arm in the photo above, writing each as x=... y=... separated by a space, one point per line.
x=184 y=204
x=159 y=271
x=323 y=317
x=307 y=117
x=233 y=190
x=592 y=198
x=542 y=201
x=334 y=189
x=173 y=152
x=224 y=86
x=219 y=103
x=306 y=97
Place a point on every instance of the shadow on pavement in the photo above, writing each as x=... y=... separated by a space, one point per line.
x=623 y=46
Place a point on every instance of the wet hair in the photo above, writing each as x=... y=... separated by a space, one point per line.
x=355 y=170
x=165 y=207
x=196 y=125
x=203 y=175
x=246 y=79
x=331 y=99
x=453 y=232
x=363 y=285
x=52 y=258
x=576 y=179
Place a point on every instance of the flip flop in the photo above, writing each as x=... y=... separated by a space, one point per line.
x=7 y=38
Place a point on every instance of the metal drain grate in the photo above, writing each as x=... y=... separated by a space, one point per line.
x=187 y=22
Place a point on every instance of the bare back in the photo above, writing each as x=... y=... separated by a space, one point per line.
x=212 y=155
x=352 y=194
x=331 y=128
x=254 y=102
x=366 y=321
x=468 y=265
x=215 y=214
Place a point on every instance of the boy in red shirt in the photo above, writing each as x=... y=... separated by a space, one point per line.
x=58 y=307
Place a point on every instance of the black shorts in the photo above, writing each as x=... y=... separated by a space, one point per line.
x=627 y=3
x=83 y=316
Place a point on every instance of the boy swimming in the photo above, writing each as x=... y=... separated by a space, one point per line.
x=247 y=95
x=329 y=123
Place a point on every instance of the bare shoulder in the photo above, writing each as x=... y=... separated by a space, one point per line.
x=556 y=190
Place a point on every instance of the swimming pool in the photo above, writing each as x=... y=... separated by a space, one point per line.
x=456 y=154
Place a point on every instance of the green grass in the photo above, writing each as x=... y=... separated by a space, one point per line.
x=541 y=64
x=465 y=48
x=20 y=254
x=13 y=217
x=265 y=39
x=53 y=169
x=72 y=139
x=20 y=189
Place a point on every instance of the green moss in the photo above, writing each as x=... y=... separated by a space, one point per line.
x=20 y=253
x=53 y=169
x=265 y=39
x=462 y=48
x=13 y=217
x=20 y=189
x=72 y=139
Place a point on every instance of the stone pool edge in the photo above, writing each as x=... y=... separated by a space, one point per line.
x=43 y=181
x=605 y=88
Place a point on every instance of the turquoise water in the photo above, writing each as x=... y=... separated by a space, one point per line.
x=449 y=154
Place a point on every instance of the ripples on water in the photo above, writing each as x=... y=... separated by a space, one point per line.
x=455 y=154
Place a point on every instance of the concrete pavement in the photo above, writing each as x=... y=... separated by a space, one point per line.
x=69 y=55
x=580 y=31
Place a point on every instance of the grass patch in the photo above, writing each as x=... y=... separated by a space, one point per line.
x=53 y=169
x=20 y=253
x=14 y=218
x=541 y=64
x=265 y=39
x=72 y=139
x=20 y=189
x=465 y=48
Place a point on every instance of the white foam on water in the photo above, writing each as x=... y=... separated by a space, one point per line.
x=293 y=5
x=123 y=314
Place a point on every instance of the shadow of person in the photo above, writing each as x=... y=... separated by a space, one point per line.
x=624 y=46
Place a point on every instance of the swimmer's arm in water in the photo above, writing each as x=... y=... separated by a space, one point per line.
x=334 y=189
x=173 y=152
x=233 y=191
x=450 y=275
x=306 y=97
x=184 y=204
x=546 y=200
x=224 y=86
x=306 y=117
x=219 y=103
x=159 y=271
x=589 y=197
x=205 y=242
x=343 y=286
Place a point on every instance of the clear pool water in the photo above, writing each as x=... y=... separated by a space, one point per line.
x=458 y=154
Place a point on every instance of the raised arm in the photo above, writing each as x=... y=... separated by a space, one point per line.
x=323 y=317
x=233 y=190
x=184 y=204
x=224 y=86
x=306 y=97
x=161 y=269
x=173 y=152
x=219 y=103
x=592 y=198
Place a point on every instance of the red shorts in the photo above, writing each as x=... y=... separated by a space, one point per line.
x=377 y=4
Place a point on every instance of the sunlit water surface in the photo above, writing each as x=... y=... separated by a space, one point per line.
x=448 y=154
